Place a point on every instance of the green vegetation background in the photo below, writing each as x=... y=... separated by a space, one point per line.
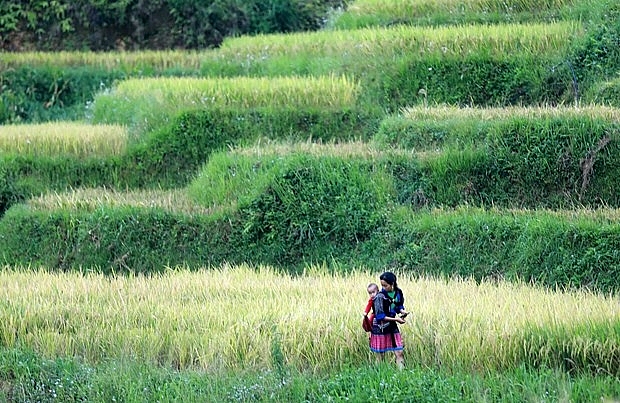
x=373 y=212
x=322 y=210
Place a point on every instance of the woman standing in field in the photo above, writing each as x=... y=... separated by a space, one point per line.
x=385 y=335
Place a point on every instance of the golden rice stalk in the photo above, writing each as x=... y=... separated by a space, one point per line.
x=91 y=199
x=63 y=138
x=231 y=318
x=449 y=41
x=244 y=92
x=398 y=8
x=440 y=113
x=124 y=61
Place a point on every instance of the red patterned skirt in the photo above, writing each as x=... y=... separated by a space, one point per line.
x=388 y=340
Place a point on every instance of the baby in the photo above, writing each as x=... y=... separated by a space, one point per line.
x=373 y=290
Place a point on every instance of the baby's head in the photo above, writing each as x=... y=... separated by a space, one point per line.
x=373 y=289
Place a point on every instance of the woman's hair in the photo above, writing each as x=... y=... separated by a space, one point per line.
x=389 y=278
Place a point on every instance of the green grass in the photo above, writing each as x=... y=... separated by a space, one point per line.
x=366 y=13
x=241 y=175
x=25 y=376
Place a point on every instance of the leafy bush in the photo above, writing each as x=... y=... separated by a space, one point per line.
x=43 y=93
x=318 y=199
x=160 y=24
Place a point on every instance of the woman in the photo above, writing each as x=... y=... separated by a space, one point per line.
x=385 y=335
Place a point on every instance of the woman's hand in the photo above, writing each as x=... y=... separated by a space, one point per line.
x=399 y=320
